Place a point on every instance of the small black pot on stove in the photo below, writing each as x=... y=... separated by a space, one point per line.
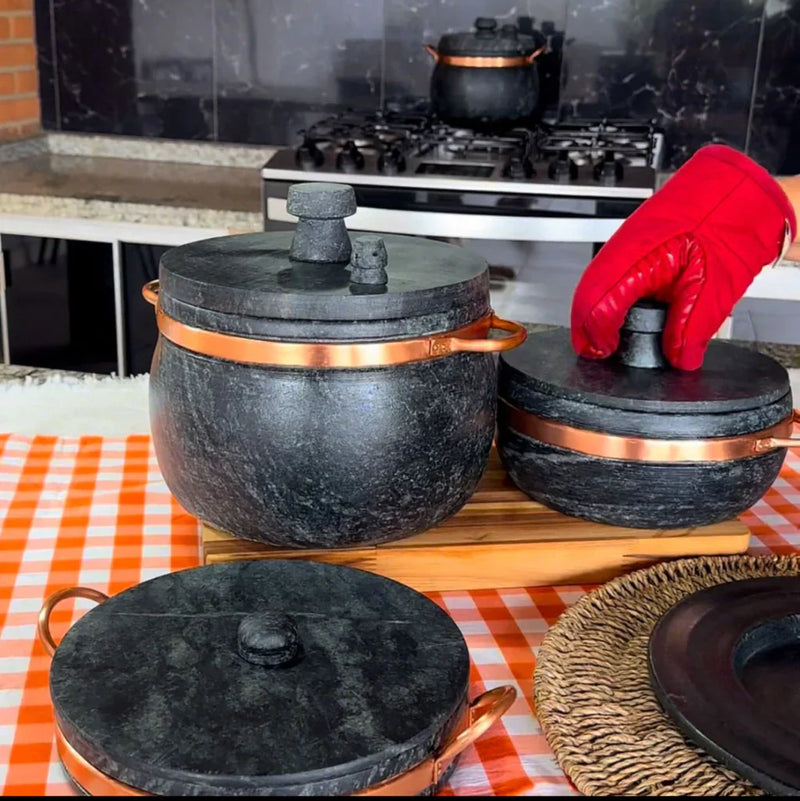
x=309 y=391
x=632 y=442
x=487 y=79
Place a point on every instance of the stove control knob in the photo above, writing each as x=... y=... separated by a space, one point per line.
x=391 y=161
x=350 y=158
x=563 y=168
x=519 y=168
x=609 y=169
x=308 y=155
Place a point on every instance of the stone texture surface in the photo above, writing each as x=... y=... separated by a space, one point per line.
x=732 y=380
x=636 y=494
x=131 y=190
x=151 y=689
x=20 y=374
x=322 y=458
x=252 y=276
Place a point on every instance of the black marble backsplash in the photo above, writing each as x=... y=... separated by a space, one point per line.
x=256 y=71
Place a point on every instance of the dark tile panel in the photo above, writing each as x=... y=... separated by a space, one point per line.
x=45 y=64
x=774 y=139
x=282 y=63
x=412 y=23
x=689 y=64
x=137 y=67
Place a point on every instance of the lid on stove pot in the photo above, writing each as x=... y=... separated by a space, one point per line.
x=321 y=282
x=635 y=392
x=487 y=40
x=260 y=678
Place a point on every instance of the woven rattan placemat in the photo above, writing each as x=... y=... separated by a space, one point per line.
x=592 y=687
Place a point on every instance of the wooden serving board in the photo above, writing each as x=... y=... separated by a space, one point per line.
x=501 y=538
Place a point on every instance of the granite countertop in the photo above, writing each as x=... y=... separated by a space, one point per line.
x=19 y=374
x=115 y=179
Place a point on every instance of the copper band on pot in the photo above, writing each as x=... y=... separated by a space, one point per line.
x=639 y=449
x=481 y=62
x=472 y=338
x=91 y=780
x=481 y=714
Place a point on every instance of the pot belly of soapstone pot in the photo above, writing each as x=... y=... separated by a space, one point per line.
x=636 y=494
x=321 y=458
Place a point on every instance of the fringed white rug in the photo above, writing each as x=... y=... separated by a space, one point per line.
x=109 y=406
x=76 y=406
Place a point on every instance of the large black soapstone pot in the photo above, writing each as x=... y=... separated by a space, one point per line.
x=635 y=393
x=320 y=457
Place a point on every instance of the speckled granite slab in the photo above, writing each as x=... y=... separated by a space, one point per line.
x=120 y=180
x=18 y=374
x=212 y=154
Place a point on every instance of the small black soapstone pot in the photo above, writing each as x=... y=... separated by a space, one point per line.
x=636 y=394
x=320 y=457
x=485 y=98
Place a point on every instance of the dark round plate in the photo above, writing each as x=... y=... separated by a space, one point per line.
x=725 y=665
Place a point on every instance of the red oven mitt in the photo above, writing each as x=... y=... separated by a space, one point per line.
x=696 y=245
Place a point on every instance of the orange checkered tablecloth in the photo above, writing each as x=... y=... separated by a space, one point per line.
x=95 y=512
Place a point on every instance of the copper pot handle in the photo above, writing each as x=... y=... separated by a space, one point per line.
x=432 y=51
x=771 y=443
x=150 y=292
x=532 y=57
x=457 y=344
x=43 y=626
x=484 y=712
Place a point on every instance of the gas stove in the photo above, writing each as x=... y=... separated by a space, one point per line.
x=571 y=181
x=604 y=158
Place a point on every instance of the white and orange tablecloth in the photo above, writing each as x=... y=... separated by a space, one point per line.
x=94 y=511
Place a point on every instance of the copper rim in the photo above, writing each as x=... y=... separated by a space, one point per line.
x=637 y=449
x=43 y=625
x=472 y=338
x=481 y=714
x=481 y=62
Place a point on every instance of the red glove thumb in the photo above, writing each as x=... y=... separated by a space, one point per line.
x=697 y=244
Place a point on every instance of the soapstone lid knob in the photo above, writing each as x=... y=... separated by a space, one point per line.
x=321 y=201
x=269 y=639
x=640 y=336
x=321 y=235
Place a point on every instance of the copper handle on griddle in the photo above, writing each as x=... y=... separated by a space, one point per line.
x=43 y=626
x=771 y=443
x=482 y=713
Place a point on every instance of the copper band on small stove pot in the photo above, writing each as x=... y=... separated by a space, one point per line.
x=472 y=338
x=639 y=449
x=482 y=62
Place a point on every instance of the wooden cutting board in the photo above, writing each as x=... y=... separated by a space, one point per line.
x=501 y=538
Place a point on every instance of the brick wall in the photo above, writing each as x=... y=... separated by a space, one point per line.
x=19 y=83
